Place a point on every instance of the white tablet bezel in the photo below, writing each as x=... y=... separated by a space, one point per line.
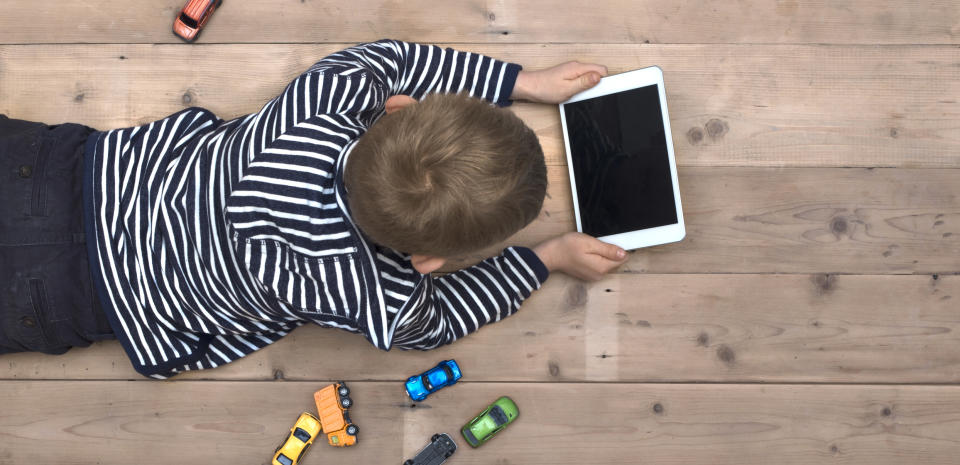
x=610 y=85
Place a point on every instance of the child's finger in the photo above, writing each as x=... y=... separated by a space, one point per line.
x=574 y=86
x=608 y=251
x=595 y=68
x=588 y=80
x=575 y=68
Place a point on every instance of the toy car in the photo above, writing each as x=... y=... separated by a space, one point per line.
x=489 y=422
x=291 y=450
x=445 y=374
x=440 y=448
x=332 y=404
x=193 y=17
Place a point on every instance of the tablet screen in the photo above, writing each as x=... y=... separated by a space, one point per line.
x=620 y=162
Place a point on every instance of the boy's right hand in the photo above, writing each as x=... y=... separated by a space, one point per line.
x=580 y=256
x=557 y=83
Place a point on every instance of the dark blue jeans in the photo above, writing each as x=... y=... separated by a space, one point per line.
x=46 y=300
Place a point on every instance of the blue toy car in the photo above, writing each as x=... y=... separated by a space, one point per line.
x=445 y=374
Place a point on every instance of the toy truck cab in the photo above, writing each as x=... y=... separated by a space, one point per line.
x=333 y=403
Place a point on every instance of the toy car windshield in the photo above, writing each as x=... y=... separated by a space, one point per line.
x=448 y=371
x=188 y=21
x=426 y=382
x=301 y=435
x=284 y=459
x=498 y=416
x=470 y=436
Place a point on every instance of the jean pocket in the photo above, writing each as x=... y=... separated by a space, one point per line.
x=23 y=159
x=24 y=322
x=37 y=174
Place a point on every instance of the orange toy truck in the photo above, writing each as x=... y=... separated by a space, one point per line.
x=332 y=404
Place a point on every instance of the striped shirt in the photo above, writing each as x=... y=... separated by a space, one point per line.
x=211 y=239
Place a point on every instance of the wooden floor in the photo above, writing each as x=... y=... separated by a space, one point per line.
x=812 y=315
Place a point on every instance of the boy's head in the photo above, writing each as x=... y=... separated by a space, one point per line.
x=448 y=175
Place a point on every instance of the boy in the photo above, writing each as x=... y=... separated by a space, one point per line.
x=207 y=240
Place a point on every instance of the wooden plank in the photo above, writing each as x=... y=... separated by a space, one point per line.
x=730 y=105
x=606 y=21
x=792 y=220
x=242 y=422
x=636 y=328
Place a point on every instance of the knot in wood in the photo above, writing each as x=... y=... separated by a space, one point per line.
x=695 y=136
x=838 y=225
x=716 y=128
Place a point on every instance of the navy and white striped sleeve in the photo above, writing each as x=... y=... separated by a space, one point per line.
x=460 y=303
x=416 y=70
x=357 y=81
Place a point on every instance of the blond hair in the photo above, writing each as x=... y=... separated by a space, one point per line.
x=449 y=175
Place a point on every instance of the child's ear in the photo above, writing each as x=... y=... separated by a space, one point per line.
x=427 y=264
x=398 y=102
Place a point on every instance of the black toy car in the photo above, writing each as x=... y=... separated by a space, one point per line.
x=440 y=448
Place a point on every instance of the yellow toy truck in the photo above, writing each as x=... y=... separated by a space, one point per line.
x=333 y=403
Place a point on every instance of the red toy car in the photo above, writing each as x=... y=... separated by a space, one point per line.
x=193 y=17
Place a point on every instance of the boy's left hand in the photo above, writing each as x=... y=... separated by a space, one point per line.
x=580 y=256
x=558 y=83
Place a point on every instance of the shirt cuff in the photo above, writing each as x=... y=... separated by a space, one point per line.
x=509 y=81
x=530 y=257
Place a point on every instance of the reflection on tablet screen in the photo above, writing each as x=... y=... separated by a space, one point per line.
x=620 y=162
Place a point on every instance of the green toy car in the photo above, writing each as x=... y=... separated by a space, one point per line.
x=489 y=422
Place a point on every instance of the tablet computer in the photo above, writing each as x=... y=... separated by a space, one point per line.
x=620 y=156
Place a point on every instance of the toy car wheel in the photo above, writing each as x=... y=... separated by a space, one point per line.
x=434 y=438
x=352 y=430
x=344 y=391
x=408 y=462
x=346 y=402
x=447 y=455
